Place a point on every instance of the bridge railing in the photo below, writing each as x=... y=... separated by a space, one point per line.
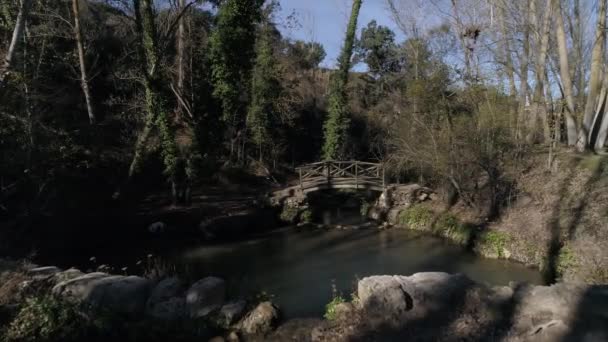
x=338 y=174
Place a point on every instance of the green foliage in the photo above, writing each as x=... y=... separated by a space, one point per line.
x=365 y=207
x=566 y=260
x=377 y=49
x=289 y=214
x=308 y=55
x=47 y=319
x=232 y=53
x=448 y=226
x=494 y=241
x=416 y=217
x=265 y=92
x=338 y=122
x=306 y=216
x=330 y=308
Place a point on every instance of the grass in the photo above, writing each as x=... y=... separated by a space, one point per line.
x=417 y=217
x=494 y=243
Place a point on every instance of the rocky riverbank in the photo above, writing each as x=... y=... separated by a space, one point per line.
x=50 y=304
x=444 y=307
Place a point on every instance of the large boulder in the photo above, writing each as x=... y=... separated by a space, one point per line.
x=392 y=300
x=100 y=291
x=260 y=320
x=205 y=296
x=166 y=300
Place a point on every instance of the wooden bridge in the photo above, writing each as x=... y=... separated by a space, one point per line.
x=336 y=175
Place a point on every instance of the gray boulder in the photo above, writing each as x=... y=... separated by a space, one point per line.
x=100 y=291
x=392 y=300
x=205 y=296
x=232 y=312
x=166 y=301
x=171 y=309
x=43 y=272
x=260 y=320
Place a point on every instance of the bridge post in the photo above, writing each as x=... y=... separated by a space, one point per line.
x=327 y=166
x=383 y=177
x=301 y=184
x=356 y=174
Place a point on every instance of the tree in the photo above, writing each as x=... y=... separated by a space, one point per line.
x=84 y=81
x=16 y=38
x=377 y=49
x=595 y=81
x=232 y=54
x=566 y=79
x=307 y=54
x=337 y=123
x=265 y=90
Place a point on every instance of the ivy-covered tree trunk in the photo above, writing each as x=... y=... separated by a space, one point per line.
x=232 y=54
x=338 y=122
x=265 y=90
x=155 y=111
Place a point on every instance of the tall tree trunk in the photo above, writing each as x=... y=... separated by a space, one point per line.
x=84 y=81
x=600 y=125
x=576 y=34
x=17 y=33
x=510 y=71
x=155 y=113
x=595 y=81
x=180 y=56
x=523 y=88
x=539 y=110
x=337 y=124
x=564 y=68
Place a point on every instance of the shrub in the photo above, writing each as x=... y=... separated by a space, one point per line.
x=416 y=217
x=364 y=209
x=448 y=226
x=330 y=308
x=47 y=319
x=289 y=214
x=306 y=216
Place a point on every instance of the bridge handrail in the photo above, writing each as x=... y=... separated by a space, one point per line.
x=340 y=173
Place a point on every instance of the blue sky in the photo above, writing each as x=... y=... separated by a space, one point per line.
x=325 y=21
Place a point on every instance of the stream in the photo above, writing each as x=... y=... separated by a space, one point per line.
x=303 y=268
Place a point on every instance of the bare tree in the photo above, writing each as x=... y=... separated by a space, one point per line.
x=566 y=80
x=595 y=81
x=84 y=81
x=17 y=33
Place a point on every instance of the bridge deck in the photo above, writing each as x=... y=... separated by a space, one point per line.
x=336 y=175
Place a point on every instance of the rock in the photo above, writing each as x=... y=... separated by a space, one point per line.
x=217 y=339
x=205 y=296
x=100 y=291
x=392 y=216
x=43 y=272
x=157 y=227
x=260 y=320
x=166 y=289
x=344 y=311
x=171 y=309
x=68 y=274
x=232 y=337
x=392 y=300
x=232 y=312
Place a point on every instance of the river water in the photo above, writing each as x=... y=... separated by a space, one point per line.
x=302 y=267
